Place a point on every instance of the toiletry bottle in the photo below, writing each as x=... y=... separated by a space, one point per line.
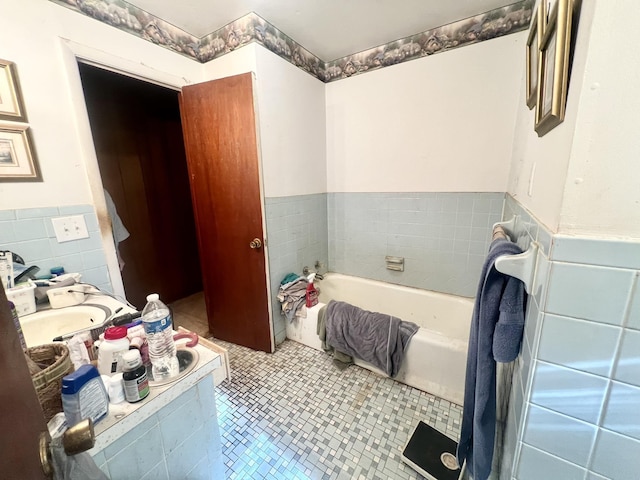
x=84 y=396
x=312 y=293
x=111 y=349
x=136 y=384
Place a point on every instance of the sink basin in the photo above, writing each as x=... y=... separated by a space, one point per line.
x=42 y=327
x=187 y=360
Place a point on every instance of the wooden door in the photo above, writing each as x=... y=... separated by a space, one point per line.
x=21 y=418
x=219 y=126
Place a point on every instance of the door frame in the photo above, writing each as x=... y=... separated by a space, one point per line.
x=263 y=210
x=72 y=53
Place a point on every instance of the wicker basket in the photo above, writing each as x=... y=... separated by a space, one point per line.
x=54 y=360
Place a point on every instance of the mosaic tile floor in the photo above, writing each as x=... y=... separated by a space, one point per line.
x=293 y=415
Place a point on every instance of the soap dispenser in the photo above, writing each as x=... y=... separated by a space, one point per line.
x=312 y=293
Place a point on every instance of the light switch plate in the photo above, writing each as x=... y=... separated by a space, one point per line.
x=70 y=228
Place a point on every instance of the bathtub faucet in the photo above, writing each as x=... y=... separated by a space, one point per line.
x=306 y=271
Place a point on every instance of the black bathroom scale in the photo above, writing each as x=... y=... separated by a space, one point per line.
x=431 y=453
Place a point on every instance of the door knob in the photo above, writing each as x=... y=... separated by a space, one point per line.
x=255 y=243
x=79 y=438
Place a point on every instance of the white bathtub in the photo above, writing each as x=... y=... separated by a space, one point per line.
x=436 y=357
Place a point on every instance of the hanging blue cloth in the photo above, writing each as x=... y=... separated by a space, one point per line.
x=496 y=333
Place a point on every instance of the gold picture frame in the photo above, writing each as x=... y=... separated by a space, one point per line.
x=11 y=103
x=538 y=20
x=18 y=162
x=553 y=68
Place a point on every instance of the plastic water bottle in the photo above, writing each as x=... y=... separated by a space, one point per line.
x=156 y=319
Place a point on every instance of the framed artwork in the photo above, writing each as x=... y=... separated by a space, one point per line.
x=11 y=104
x=18 y=162
x=538 y=20
x=553 y=68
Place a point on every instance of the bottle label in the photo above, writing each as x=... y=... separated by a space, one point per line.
x=157 y=326
x=137 y=388
x=92 y=402
x=312 y=298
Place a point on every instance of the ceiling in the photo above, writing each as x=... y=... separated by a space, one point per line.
x=330 y=29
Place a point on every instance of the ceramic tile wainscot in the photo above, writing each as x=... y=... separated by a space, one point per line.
x=173 y=434
x=29 y=233
x=576 y=415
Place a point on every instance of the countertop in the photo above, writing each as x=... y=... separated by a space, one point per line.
x=124 y=416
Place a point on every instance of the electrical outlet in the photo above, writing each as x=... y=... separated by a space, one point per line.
x=70 y=228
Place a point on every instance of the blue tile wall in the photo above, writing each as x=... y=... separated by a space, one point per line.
x=580 y=357
x=590 y=292
x=181 y=441
x=29 y=233
x=443 y=237
x=566 y=437
x=571 y=392
x=578 y=344
x=616 y=457
x=296 y=237
x=536 y=464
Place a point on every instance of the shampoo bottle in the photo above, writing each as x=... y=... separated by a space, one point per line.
x=312 y=293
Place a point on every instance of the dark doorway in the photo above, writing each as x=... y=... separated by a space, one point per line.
x=138 y=138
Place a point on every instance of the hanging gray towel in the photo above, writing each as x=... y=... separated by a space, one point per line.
x=496 y=333
x=376 y=338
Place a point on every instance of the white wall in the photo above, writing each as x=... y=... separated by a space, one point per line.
x=239 y=61
x=438 y=124
x=547 y=157
x=30 y=35
x=602 y=191
x=586 y=169
x=291 y=120
x=292 y=127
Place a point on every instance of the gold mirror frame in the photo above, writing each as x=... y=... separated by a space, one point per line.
x=553 y=68
x=536 y=30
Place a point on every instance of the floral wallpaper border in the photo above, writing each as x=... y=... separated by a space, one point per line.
x=253 y=28
x=486 y=26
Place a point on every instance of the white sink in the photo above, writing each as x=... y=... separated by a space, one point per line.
x=42 y=327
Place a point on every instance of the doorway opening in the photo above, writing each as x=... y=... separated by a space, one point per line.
x=137 y=133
